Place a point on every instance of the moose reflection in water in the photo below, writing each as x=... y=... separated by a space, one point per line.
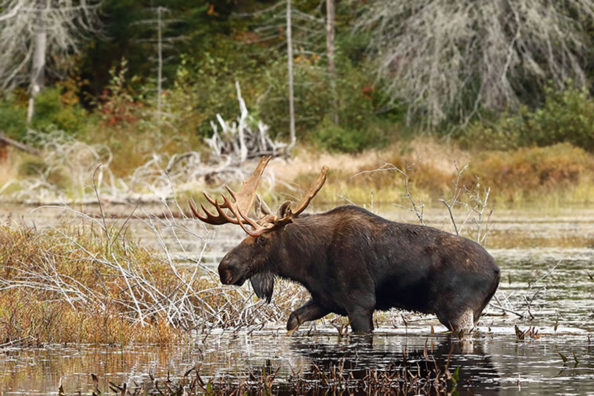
x=353 y=262
x=360 y=356
x=358 y=365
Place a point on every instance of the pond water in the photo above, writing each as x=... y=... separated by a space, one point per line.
x=547 y=262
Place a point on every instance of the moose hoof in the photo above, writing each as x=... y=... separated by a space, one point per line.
x=292 y=323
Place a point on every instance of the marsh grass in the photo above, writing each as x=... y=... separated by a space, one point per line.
x=92 y=284
x=551 y=176
x=556 y=173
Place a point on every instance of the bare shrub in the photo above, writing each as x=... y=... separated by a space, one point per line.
x=451 y=58
x=473 y=200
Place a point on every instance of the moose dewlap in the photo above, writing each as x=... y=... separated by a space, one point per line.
x=353 y=262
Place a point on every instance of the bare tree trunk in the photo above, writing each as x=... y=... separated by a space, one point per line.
x=242 y=125
x=38 y=68
x=290 y=73
x=330 y=28
x=160 y=64
x=32 y=31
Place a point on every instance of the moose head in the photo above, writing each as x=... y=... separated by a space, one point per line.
x=251 y=258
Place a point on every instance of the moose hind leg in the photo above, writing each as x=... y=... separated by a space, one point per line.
x=309 y=311
x=361 y=320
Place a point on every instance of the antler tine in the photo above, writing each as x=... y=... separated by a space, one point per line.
x=209 y=199
x=209 y=217
x=196 y=213
x=232 y=193
x=236 y=210
x=311 y=193
x=245 y=196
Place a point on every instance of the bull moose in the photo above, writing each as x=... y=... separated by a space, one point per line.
x=351 y=261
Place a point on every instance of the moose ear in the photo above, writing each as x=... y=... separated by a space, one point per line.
x=260 y=207
x=285 y=210
x=263 y=285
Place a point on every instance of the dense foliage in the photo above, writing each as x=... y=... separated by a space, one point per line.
x=110 y=95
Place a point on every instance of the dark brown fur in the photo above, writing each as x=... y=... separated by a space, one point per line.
x=354 y=262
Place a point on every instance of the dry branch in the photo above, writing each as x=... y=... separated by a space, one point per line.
x=19 y=145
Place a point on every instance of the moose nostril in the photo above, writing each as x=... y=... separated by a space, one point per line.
x=225 y=275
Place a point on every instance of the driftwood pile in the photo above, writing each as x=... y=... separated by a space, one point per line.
x=243 y=139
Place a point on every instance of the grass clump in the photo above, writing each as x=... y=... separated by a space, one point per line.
x=87 y=286
x=52 y=290
x=528 y=174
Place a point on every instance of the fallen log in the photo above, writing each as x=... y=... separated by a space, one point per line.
x=21 y=146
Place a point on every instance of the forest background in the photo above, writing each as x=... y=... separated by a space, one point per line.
x=428 y=87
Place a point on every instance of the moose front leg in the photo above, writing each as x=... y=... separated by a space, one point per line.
x=309 y=311
x=360 y=311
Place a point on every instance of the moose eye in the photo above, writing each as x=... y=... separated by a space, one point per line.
x=261 y=241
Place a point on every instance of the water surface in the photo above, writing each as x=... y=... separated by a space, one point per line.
x=547 y=284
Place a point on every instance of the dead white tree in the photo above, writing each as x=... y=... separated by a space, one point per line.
x=38 y=37
x=330 y=54
x=450 y=58
x=156 y=30
x=244 y=139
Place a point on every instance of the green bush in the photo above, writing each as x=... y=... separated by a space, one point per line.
x=205 y=87
x=13 y=120
x=565 y=117
x=52 y=113
x=333 y=137
x=357 y=100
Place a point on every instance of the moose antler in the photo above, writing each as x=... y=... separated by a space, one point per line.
x=313 y=190
x=242 y=202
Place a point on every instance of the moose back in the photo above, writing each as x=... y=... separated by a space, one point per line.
x=353 y=262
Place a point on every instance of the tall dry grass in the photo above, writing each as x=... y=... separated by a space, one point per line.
x=9 y=166
x=67 y=170
x=92 y=284
x=553 y=175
